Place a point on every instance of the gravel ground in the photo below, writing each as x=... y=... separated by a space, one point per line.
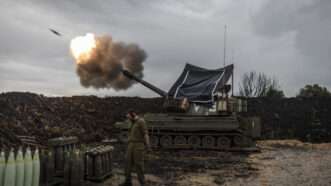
x=283 y=162
x=290 y=163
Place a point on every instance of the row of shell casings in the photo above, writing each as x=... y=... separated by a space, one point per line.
x=74 y=168
x=47 y=169
x=238 y=105
x=98 y=161
x=59 y=152
x=18 y=168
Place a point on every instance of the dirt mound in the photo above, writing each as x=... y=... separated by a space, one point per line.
x=92 y=118
x=88 y=117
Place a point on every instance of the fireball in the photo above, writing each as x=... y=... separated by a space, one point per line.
x=82 y=47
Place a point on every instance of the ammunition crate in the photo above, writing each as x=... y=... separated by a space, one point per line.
x=97 y=162
x=59 y=147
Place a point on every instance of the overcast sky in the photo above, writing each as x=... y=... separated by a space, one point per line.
x=286 y=39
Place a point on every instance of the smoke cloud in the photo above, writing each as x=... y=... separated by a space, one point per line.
x=101 y=66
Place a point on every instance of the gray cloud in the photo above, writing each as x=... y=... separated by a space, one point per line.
x=310 y=24
x=310 y=20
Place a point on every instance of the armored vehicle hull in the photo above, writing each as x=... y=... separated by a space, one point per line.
x=198 y=132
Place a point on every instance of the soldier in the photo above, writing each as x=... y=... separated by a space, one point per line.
x=138 y=139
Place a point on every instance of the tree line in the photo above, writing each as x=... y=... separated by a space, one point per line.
x=254 y=84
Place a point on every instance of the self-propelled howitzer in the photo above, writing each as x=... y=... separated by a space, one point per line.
x=206 y=117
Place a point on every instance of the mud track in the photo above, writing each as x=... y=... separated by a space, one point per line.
x=284 y=162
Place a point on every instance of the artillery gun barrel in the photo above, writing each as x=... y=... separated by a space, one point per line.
x=145 y=83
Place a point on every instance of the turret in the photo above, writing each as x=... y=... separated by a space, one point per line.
x=197 y=91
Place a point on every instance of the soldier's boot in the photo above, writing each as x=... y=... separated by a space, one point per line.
x=141 y=180
x=127 y=182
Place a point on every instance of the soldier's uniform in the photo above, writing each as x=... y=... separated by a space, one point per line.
x=135 y=151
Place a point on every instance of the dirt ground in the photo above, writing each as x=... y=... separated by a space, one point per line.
x=281 y=162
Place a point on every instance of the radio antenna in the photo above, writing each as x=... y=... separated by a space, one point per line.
x=224 y=46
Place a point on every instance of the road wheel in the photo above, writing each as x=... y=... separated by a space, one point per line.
x=208 y=142
x=238 y=140
x=223 y=142
x=154 y=141
x=166 y=141
x=194 y=141
x=180 y=140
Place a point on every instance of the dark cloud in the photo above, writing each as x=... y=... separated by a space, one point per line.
x=310 y=23
x=310 y=20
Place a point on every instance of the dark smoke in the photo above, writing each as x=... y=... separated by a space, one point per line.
x=103 y=68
